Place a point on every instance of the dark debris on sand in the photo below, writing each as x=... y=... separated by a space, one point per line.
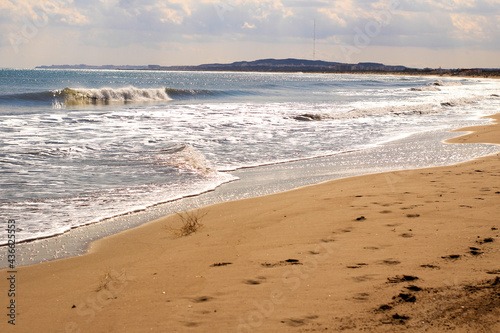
x=219 y=264
x=283 y=263
x=402 y=278
x=472 y=307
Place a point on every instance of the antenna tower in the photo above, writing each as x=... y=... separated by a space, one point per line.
x=314 y=41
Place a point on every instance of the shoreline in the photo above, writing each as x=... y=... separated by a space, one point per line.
x=77 y=217
x=400 y=154
x=407 y=250
x=494 y=74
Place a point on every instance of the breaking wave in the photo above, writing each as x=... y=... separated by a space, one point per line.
x=440 y=83
x=109 y=95
x=84 y=96
x=186 y=157
x=426 y=88
x=434 y=86
x=394 y=110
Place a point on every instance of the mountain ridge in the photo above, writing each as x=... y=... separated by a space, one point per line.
x=290 y=65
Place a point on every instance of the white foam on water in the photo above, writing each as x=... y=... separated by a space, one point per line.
x=71 y=166
x=129 y=94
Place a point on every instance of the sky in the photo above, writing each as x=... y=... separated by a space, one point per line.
x=413 y=33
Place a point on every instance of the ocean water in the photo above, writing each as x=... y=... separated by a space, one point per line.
x=80 y=146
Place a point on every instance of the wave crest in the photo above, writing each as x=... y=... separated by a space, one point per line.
x=82 y=96
x=130 y=94
x=440 y=83
x=426 y=88
x=186 y=157
x=394 y=110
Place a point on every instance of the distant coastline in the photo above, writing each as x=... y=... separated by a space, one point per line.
x=298 y=65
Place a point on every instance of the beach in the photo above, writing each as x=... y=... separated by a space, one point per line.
x=243 y=166
x=85 y=148
x=413 y=250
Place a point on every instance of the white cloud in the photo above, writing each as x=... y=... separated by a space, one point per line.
x=248 y=26
x=109 y=25
x=42 y=12
x=469 y=25
x=452 y=5
x=333 y=15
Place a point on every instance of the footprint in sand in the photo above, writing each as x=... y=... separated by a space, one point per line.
x=361 y=297
x=401 y=278
x=384 y=307
x=485 y=240
x=396 y=319
x=400 y=318
x=494 y=272
x=475 y=251
x=409 y=298
x=357 y=265
x=452 y=257
x=282 y=263
x=389 y=262
x=363 y=278
x=218 y=264
x=201 y=299
x=329 y=240
x=257 y=281
x=414 y=288
x=296 y=322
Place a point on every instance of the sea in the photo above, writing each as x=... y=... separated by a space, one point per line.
x=81 y=146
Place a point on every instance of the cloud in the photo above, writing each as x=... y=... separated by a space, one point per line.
x=126 y=22
x=468 y=24
x=248 y=26
x=305 y=3
x=155 y=24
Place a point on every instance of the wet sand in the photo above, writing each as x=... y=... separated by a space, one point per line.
x=413 y=250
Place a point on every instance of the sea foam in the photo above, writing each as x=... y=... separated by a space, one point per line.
x=109 y=95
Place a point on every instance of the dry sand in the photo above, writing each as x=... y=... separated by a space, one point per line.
x=393 y=252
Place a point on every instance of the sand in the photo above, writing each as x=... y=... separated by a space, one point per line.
x=412 y=251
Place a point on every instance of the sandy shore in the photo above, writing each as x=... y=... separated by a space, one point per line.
x=401 y=251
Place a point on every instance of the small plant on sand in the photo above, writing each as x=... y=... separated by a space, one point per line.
x=112 y=280
x=191 y=222
x=105 y=280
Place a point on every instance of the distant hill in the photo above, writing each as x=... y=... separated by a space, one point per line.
x=295 y=65
x=262 y=65
x=292 y=65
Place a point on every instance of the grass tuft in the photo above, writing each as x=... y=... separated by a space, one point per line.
x=190 y=222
